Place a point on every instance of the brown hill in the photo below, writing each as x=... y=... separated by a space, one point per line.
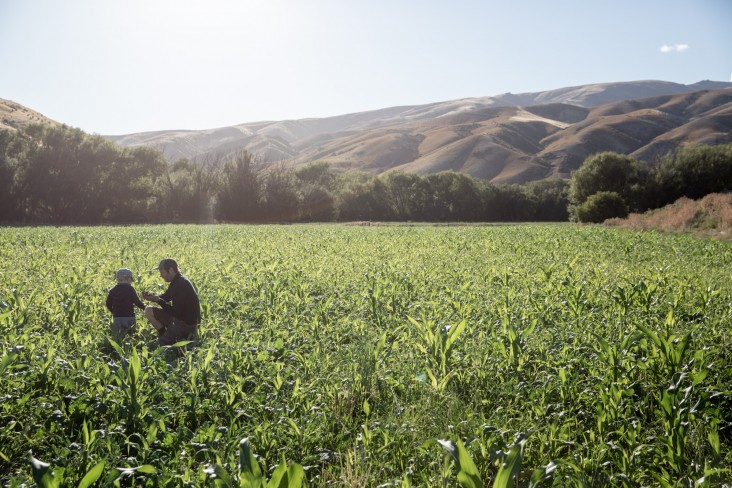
x=643 y=128
x=506 y=138
x=513 y=144
x=14 y=116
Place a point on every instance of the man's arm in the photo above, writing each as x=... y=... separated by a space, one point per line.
x=187 y=303
x=160 y=301
x=168 y=295
x=166 y=306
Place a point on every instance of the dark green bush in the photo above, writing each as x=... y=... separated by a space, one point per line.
x=694 y=171
x=610 y=172
x=601 y=206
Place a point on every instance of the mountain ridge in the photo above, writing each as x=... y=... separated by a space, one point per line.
x=507 y=138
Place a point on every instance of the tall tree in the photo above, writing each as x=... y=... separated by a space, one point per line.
x=315 y=187
x=239 y=190
x=610 y=172
x=694 y=171
x=451 y=197
x=361 y=196
x=185 y=192
x=550 y=199
x=506 y=203
x=12 y=148
x=61 y=176
x=280 y=196
x=406 y=195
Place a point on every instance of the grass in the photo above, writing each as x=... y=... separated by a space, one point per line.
x=710 y=216
x=524 y=355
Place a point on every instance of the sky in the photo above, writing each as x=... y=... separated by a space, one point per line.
x=116 y=67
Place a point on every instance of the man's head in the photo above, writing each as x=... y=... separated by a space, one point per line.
x=168 y=269
x=124 y=275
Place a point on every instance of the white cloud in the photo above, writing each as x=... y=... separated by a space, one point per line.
x=679 y=48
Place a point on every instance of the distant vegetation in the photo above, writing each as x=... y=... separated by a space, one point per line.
x=60 y=175
x=611 y=185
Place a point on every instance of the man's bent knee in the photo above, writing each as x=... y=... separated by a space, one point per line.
x=150 y=315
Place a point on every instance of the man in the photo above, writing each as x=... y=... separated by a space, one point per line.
x=179 y=312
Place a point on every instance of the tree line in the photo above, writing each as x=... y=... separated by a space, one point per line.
x=61 y=175
x=611 y=185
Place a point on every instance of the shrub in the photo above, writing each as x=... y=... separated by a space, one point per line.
x=711 y=213
x=601 y=206
x=610 y=172
x=694 y=171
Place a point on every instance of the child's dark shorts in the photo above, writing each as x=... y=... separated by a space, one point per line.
x=123 y=325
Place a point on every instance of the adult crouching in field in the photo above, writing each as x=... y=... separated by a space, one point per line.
x=179 y=313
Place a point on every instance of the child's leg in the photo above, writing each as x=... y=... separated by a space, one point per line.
x=115 y=326
x=122 y=326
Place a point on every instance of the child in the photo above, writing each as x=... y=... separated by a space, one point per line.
x=121 y=301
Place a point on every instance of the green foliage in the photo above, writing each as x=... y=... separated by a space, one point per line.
x=281 y=201
x=601 y=206
x=361 y=196
x=251 y=476
x=694 y=171
x=468 y=475
x=61 y=175
x=12 y=150
x=550 y=199
x=92 y=476
x=315 y=186
x=452 y=196
x=238 y=197
x=609 y=172
x=406 y=195
x=184 y=192
x=559 y=355
x=437 y=343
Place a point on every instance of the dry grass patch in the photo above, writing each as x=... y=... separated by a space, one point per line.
x=712 y=215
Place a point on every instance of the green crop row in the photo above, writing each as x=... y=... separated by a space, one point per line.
x=526 y=355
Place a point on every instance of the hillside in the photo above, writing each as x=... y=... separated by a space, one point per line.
x=642 y=128
x=506 y=138
x=14 y=116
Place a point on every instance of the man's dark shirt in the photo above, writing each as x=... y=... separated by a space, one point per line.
x=122 y=299
x=185 y=305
